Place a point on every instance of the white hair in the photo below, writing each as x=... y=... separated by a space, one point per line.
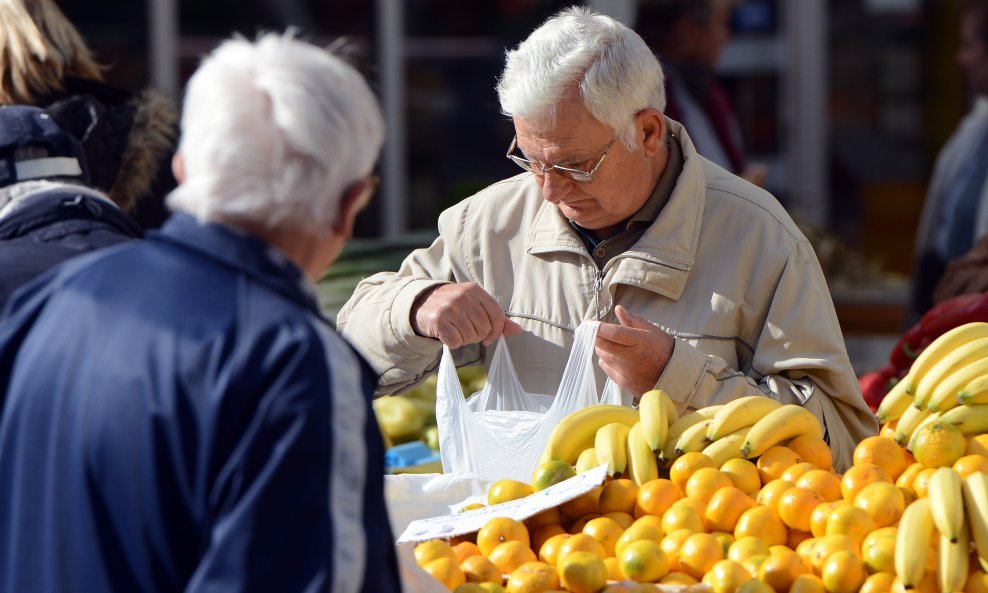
x=273 y=132
x=617 y=75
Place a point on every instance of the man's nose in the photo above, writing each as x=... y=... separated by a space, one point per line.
x=555 y=186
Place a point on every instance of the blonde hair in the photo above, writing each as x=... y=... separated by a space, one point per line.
x=39 y=47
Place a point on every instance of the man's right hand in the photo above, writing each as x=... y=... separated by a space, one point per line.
x=460 y=314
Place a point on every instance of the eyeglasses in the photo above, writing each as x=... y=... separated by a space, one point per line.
x=539 y=169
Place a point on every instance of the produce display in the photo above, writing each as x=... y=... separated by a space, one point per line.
x=743 y=497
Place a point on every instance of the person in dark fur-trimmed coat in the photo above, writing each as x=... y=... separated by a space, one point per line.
x=129 y=138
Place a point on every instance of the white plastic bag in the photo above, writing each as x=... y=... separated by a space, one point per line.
x=500 y=431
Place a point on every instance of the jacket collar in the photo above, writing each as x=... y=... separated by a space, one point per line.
x=662 y=259
x=55 y=203
x=243 y=252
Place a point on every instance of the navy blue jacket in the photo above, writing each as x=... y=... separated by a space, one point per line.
x=52 y=227
x=180 y=417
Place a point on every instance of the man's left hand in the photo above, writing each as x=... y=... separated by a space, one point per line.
x=634 y=353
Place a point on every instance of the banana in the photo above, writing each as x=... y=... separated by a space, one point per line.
x=930 y=419
x=941 y=347
x=944 y=395
x=654 y=418
x=894 y=403
x=975 y=490
x=911 y=418
x=573 y=432
x=611 y=445
x=961 y=356
x=642 y=464
x=947 y=503
x=912 y=542
x=693 y=438
x=672 y=414
x=726 y=447
x=587 y=460
x=952 y=573
x=680 y=425
x=740 y=413
x=970 y=420
x=786 y=422
x=975 y=392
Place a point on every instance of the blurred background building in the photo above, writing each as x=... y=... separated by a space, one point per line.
x=846 y=101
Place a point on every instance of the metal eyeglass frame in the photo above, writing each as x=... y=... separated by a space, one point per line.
x=539 y=169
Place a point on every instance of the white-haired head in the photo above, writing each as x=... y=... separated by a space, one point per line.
x=577 y=50
x=273 y=133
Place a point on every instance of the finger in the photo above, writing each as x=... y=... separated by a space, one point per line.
x=629 y=319
x=495 y=320
x=618 y=334
x=449 y=334
x=511 y=328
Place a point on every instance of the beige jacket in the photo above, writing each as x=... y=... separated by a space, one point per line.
x=723 y=269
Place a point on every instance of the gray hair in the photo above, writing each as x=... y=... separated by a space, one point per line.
x=273 y=132
x=612 y=68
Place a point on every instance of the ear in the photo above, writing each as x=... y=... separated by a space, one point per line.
x=354 y=199
x=178 y=167
x=653 y=127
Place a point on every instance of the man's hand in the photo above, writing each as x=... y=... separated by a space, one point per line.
x=635 y=353
x=460 y=314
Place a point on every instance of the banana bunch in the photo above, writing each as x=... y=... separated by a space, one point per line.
x=627 y=439
x=745 y=427
x=947 y=383
x=957 y=510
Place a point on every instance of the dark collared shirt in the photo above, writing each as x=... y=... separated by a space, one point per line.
x=635 y=226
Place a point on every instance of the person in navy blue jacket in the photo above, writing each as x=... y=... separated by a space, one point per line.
x=177 y=414
x=48 y=211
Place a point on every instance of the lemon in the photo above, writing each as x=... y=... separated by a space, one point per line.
x=505 y=490
x=643 y=561
x=432 y=550
x=533 y=577
x=726 y=576
x=938 y=445
x=551 y=472
x=843 y=572
x=583 y=572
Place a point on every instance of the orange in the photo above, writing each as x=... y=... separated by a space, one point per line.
x=682 y=516
x=825 y=546
x=888 y=429
x=473 y=506
x=921 y=484
x=726 y=576
x=587 y=503
x=500 y=530
x=470 y=588
x=938 y=445
x=510 y=555
x=797 y=537
x=698 y=505
x=549 y=551
x=650 y=520
x=583 y=572
x=478 y=569
x=699 y=553
x=819 y=516
x=655 y=497
x=878 y=553
x=977 y=445
x=613 y=569
x=773 y=462
x=551 y=472
x=533 y=577
x=780 y=570
x=623 y=519
x=643 y=561
x=883 y=452
x=671 y=544
x=446 y=571
x=859 y=476
x=705 y=481
x=618 y=495
x=492 y=587
x=542 y=535
x=755 y=586
x=824 y=483
x=578 y=525
x=843 y=572
x=547 y=517
x=764 y=523
x=636 y=532
x=433 y=549
x=464 y=550
x=807 y=583
x=851 y=521
x=977 y=582
x=794 y=472
x=726 y=540
x=606 y=531
x=678 y=578
x=505 y=490
x=746 y=547
x=883 y=501
x=685 y=465
x=743 y=474
x=969 y=464
x=580 y=542
x=754 y=564
x=796 y=505
x=770 y=493
x=906 y=479
x=879 y=582
x=724 y=508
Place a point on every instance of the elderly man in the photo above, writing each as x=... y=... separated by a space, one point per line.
x=709 y=290
x=179 y=416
